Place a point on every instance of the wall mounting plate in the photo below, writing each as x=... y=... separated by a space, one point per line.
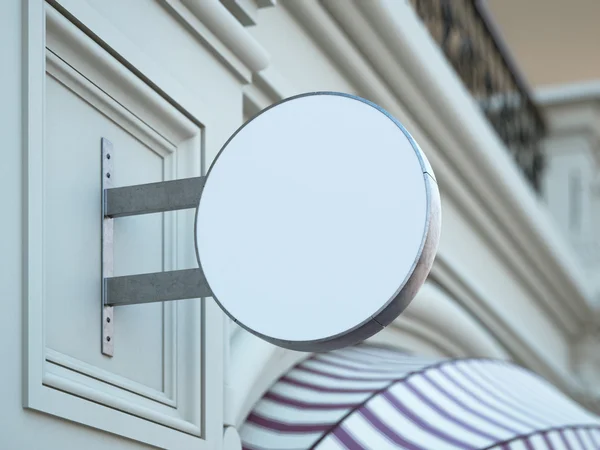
x=108 y=323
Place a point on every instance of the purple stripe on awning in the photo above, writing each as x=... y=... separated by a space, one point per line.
x=564 y=440
x=528 y=444
x=324 y=373
x=382 y=361
x=391 y=434
x=386 y=361
x=452 y=417
x=307 y=405
x=345 y=439
x=283 y=426
x=319 y=388
x=547 y=440
x=366 y=368
x=543 y=434
x=591 y=433
x=579 y=440
x=491 y=382
x=371 y=368
x=466 y=407
x=538 y=399
x=421 y=423
x=504 y=412
x=471 y=406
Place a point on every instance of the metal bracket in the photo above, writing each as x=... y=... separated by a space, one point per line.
x=151 y=287
x=108 y=324
x=153 y=197
x=155 y=287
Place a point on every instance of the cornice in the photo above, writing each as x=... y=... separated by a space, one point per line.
x=221 y=32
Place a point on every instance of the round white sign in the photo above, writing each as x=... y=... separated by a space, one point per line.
x=318 y=222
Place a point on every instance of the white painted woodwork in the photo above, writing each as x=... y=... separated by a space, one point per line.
x=156 y=387
x=78 y=115
x=246 y=11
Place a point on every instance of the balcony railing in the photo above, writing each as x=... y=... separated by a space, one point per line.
x=466 y=35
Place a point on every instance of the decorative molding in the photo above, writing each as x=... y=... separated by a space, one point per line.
x=208 y=39
x=406 y=335
x=273 y=84
x=122 y=49
x=34 y=73
x=463 y=290
x=83 y=373
x=224 y=26
x=166 y=132
x=439 y=312
x=74 y=81
x=266 y=3
x=65 y=386
x=245 y=11
x=101 y=68
x=208 y=20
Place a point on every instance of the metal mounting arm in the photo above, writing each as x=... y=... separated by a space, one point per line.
x=155 y=287
x=153 y=197
x=145 y=288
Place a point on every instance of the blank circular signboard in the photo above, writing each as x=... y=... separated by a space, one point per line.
x=318 y=222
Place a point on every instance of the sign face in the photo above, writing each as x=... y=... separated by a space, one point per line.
x=318 y=222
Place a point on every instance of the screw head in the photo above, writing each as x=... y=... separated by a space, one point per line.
x=108 y=156
x=108 y=319
x=108 y=175
x=108 y=338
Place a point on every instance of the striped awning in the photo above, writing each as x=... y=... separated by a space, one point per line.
x=373 y=398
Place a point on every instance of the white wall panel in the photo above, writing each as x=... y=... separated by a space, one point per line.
x=162 y=377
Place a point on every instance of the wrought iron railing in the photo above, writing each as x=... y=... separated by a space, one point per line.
x=471 y=45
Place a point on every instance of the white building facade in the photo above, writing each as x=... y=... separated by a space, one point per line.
x=167 y=82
